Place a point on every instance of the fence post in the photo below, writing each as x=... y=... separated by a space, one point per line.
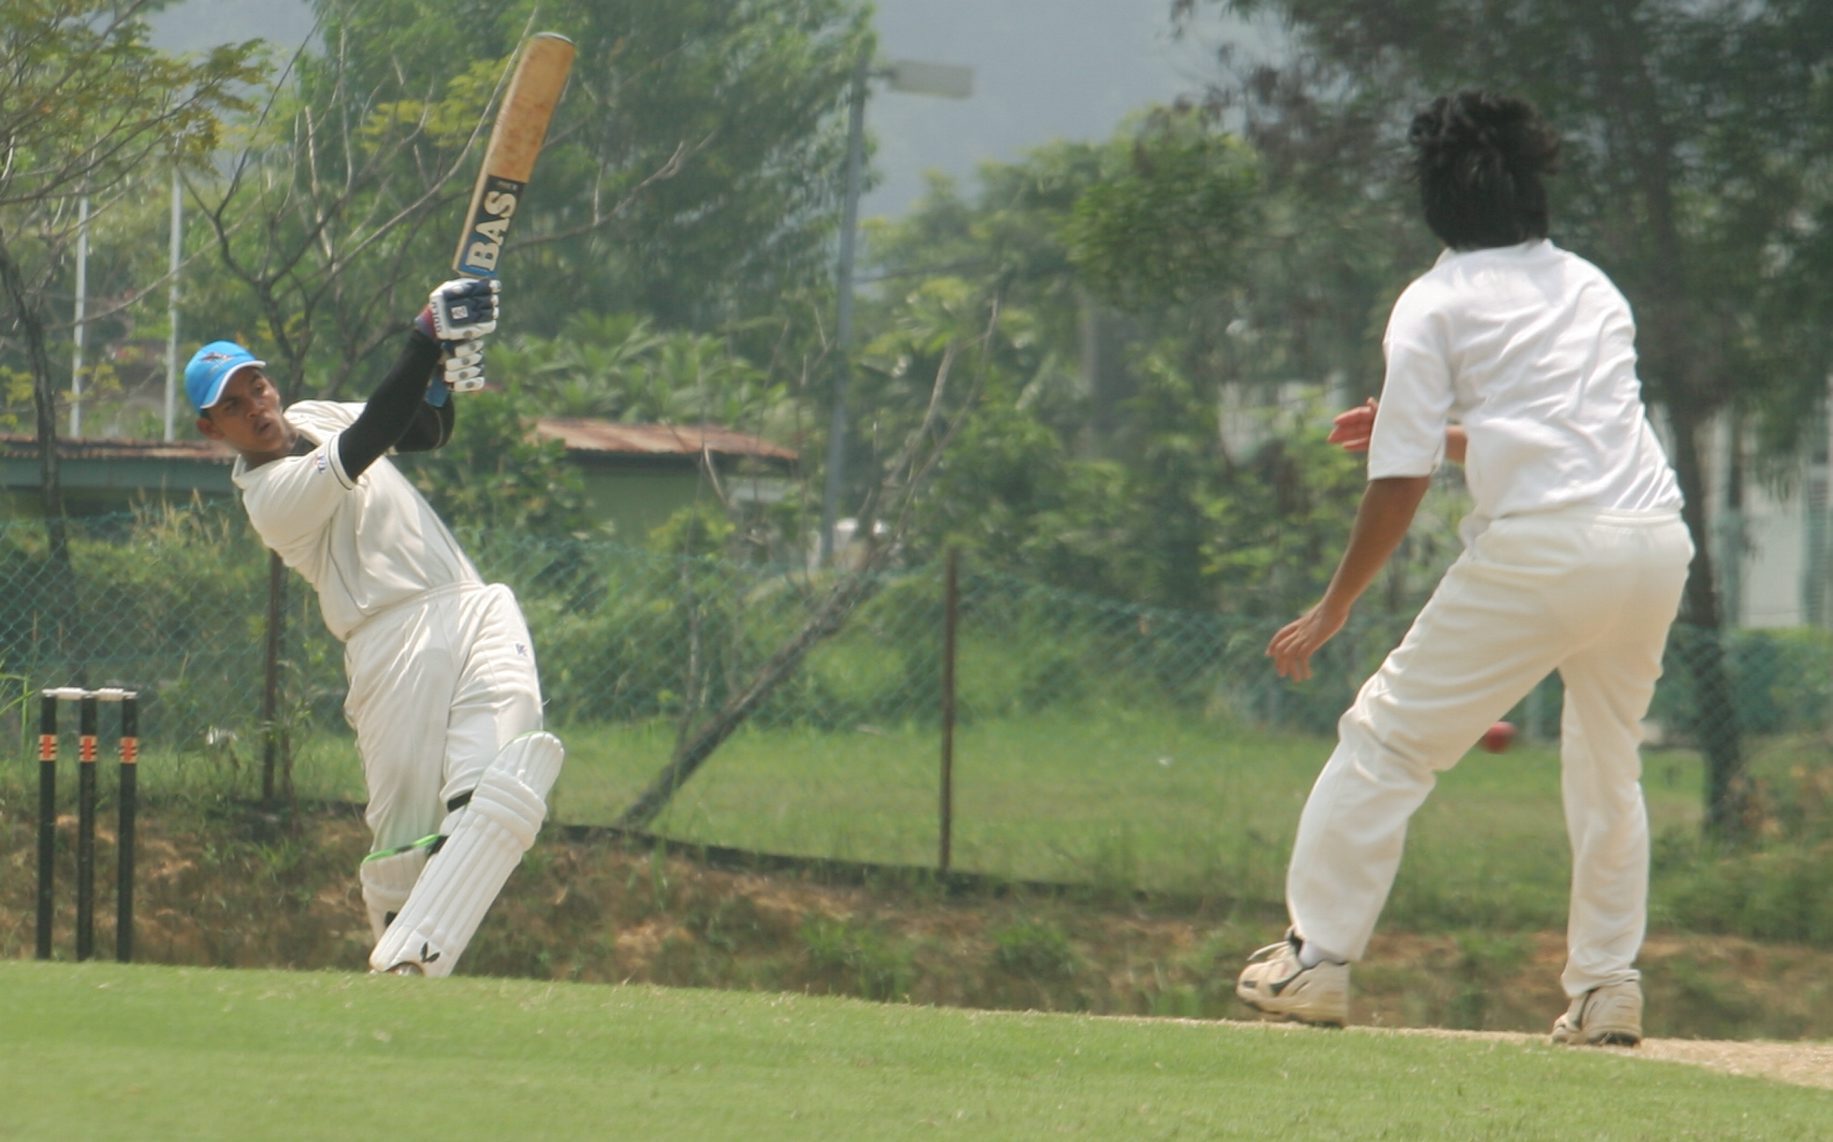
x=270 y=691
x=951 y=598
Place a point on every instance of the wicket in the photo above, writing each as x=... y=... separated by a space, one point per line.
x=87 y=731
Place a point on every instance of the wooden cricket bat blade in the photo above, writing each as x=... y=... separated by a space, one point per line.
x=515 y=144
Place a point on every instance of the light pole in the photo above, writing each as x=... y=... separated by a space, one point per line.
x=916 y=78
x=77 y=326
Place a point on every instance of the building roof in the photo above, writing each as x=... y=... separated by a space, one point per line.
x=22 y=445
x=614 y=439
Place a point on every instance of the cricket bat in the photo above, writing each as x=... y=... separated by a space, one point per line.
x=515 y=144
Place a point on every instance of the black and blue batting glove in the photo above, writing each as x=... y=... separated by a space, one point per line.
x=462 y=309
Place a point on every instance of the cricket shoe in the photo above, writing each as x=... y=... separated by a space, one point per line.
x=1277 y=982
x=1608 y=1016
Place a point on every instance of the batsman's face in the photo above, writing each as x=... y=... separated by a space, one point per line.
x=247 y=418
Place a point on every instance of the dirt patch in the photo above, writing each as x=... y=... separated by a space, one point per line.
x=1804 y=1064
x=241 y=890
x=1808 y=1064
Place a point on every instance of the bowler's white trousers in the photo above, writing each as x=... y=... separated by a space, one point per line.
x=1587 y=592
x=438 y=685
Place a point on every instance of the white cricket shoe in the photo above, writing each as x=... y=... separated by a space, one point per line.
x=1276 y=982
x=1608 y=1016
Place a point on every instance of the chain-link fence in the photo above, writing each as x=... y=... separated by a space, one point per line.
x=640 y=648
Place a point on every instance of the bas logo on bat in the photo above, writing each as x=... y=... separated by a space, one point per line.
x=484 y=245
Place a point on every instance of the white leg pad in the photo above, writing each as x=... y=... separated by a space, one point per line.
x=387 y=881
x=461 y=880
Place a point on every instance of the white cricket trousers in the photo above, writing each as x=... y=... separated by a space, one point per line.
x=438 y=685
x=1587 y=592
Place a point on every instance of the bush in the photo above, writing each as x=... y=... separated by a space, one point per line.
x=855 y=960
x=1782 y=681
x=1036 y=951
x=163 y=600
x=1773 y=893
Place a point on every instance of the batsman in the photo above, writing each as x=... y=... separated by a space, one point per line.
x=443 y=691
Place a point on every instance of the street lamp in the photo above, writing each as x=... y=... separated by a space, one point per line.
x=916 y=78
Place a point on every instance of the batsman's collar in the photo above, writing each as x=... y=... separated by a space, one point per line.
x=210 y=370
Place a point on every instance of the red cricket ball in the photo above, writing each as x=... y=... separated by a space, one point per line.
x=1498 y=737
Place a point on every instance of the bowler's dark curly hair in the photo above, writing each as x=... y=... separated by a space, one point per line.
x=1479 y=160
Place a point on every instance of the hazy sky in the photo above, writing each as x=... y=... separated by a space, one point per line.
x=1043 y=70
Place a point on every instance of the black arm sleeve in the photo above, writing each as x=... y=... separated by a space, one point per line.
x=397 y=412
x=430 y=428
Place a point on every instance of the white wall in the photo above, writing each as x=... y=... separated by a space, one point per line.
x=1777 y=579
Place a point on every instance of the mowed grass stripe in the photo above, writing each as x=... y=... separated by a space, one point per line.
x=101 y=1051
x=1156 y=800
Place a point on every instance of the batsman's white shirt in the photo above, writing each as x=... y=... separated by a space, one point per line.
x=441 y=667
x=1532 y=350
x=364 y=544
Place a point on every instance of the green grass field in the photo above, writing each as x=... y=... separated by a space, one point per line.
x=1032 y=792
x=104 y=1051
x=1113 y=798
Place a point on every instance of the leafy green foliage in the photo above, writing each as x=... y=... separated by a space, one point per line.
x=1169 y=224
x=1035 y=950
x=165 y=599
x=736 y=106
x=1097 y=457
x=89 y=100
x=89 y=105
x=620 y=367
x=497 y=477
x=871 y=965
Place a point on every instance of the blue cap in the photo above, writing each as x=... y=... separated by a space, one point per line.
x=210 y=370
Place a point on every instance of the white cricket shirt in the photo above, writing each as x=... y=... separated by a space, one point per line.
x=364 y=544
x=1531 y=349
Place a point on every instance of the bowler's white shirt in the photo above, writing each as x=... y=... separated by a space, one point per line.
x=1532 y=350
x=364 y=544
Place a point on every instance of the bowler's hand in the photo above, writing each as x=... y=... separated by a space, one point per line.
x=1292 y=648
x=1352 y=428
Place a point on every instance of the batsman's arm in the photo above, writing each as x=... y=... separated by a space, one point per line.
x=433 y=418
x=411 y=410
x=396 y=408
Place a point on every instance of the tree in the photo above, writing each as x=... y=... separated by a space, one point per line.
x=1166 y=223
x=1695 y=175
x=1099 y=459
x=741 y=102
x=329 y=208
x=617 y=367
x=87 y=103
